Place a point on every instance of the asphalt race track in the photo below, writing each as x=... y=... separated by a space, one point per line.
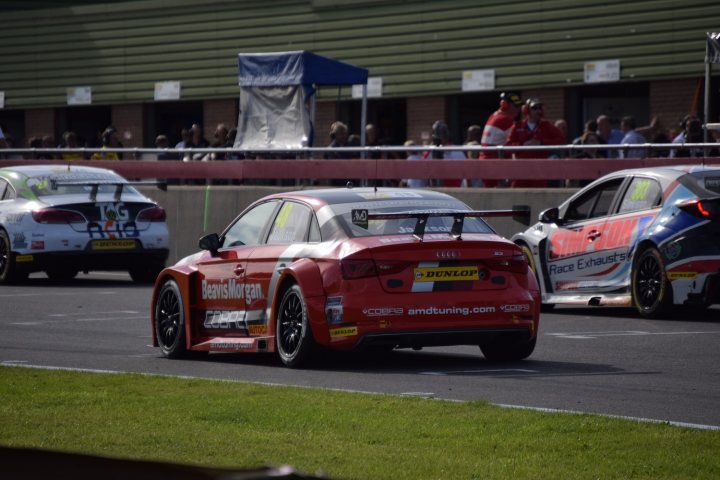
x=587 y=360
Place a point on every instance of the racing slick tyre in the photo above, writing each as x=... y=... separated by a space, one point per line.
x=651 y=289
x=508 y=349
x=295 y=342
x=145 y=273
x=544 y=307
x=61 y=274
x=170 y=321
x=8 y=269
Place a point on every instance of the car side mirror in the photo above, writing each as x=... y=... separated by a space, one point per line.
x=210 y=242
x=551 y=215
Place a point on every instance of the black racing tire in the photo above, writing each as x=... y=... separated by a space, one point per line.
x=508 y=349
x=170 y=321
x=544 y=307
x=294 y=339
x=61 y=274
x=9 y=273
x=145 y=273
x=651 y=290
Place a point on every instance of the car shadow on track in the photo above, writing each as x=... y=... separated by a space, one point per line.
x=711 y=314
x=39 y=280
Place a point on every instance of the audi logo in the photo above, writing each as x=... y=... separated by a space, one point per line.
x=447 y=254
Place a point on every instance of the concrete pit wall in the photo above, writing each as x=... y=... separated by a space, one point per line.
x=186 y=208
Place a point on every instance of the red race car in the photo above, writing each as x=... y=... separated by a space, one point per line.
x=350 y=268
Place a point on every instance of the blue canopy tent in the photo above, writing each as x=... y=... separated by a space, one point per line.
x=277 y=96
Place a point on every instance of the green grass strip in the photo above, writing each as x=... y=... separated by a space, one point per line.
x=344 y=435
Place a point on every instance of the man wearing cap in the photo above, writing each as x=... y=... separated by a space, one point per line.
x=533 y=130
x=498 y=126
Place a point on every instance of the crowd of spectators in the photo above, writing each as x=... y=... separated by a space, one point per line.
x=516 y=123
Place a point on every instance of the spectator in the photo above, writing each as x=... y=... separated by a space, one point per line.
x=627 y=125
x=474 y=155
x=609 y=135
x=371 y=140
x=498 y=126
x=70 y=141
x=414 y=155
x=47 y=142
x=534 y=130
x=590 y=126
x=441 y=138
x=339 y=139
x=161 y=141
x=221 y=141
x=561 y=125
x=682 y=135
x=186 y=139
x=198 y=139
x=110 y=140
x=692 y=133
x=474 y=134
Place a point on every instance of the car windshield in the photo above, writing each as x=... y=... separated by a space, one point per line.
x=401 y=226
x=43 y=185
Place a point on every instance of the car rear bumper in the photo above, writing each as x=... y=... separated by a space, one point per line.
x=90 y=260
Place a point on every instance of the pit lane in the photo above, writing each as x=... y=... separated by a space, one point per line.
x=606 y=361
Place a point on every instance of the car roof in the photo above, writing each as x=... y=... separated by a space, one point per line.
x=333 y=196
x=48 y=170
x=670 y=171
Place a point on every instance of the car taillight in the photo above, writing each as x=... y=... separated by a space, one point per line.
x=352 y=269
x=55 y=215
x=155 y=214
x=516 y=264
x=708 y=209
x=388 y=267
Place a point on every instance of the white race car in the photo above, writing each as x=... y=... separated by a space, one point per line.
x=66 y=219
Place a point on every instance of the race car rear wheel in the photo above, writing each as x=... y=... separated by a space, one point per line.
x=8 y=269
x=508 y=348
x=170 y=321
x=292 y=330
x=651 y=290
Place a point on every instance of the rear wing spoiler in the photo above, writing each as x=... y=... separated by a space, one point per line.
x=520 y=213
x=54 y=184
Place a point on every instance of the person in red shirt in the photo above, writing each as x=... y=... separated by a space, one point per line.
x=533 y=129
x=498 y=126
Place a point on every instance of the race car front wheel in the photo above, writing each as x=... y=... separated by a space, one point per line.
x=170 y=321
x=292 y=331
x=8 y=269
x=651 y=290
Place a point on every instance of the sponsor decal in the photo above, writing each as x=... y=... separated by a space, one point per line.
x=24 y=258
x=465 y=311
x=514 y=308
x=234 y=319
x=560 y=268
x=384 y=324
x=673 y=250
x=19 y=240
x=14 y=217
x=257 y=329
x=112 y=244
x=376 y=195
x=230 y=289
x=113 y=212
x=360 y=218
x=382 y=311
x=682 y=275
x=37 y=245
x=445 y=274
x=112 y=230
x=343 y=332
x=615 y=234
x=231 y=345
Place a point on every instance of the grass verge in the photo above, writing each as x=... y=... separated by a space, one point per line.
x=344 y=435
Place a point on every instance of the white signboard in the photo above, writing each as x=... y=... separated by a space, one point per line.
x=478 y=80
x=374 y=88
x=2 y=99
x=167 y=91
x=79 y=96
x=602 y=71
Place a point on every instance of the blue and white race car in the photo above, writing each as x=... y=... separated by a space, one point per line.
x=646 y=237
x=66 y=219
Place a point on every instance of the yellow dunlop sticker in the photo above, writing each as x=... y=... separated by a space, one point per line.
x=343 y=332
x=113 y=244
x=24 y=258
x=682 y=275
x=445 y=274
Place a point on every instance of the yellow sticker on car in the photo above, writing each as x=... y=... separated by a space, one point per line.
x=343 y=332
x=446 y=274
x=682 y=275
x=113 y=244
x=24 y=258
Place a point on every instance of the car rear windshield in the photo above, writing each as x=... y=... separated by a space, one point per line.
x=42 y=185
x=402 y=226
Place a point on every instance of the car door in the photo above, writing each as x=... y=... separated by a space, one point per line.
x=574 y=254
x=292 y=229
x=222 y=291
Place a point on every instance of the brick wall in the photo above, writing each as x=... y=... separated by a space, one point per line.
x=671 y=100
x=222 y=110
x=128 y=119
x=422 y=112
x=38 y=123
x=324 y=117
